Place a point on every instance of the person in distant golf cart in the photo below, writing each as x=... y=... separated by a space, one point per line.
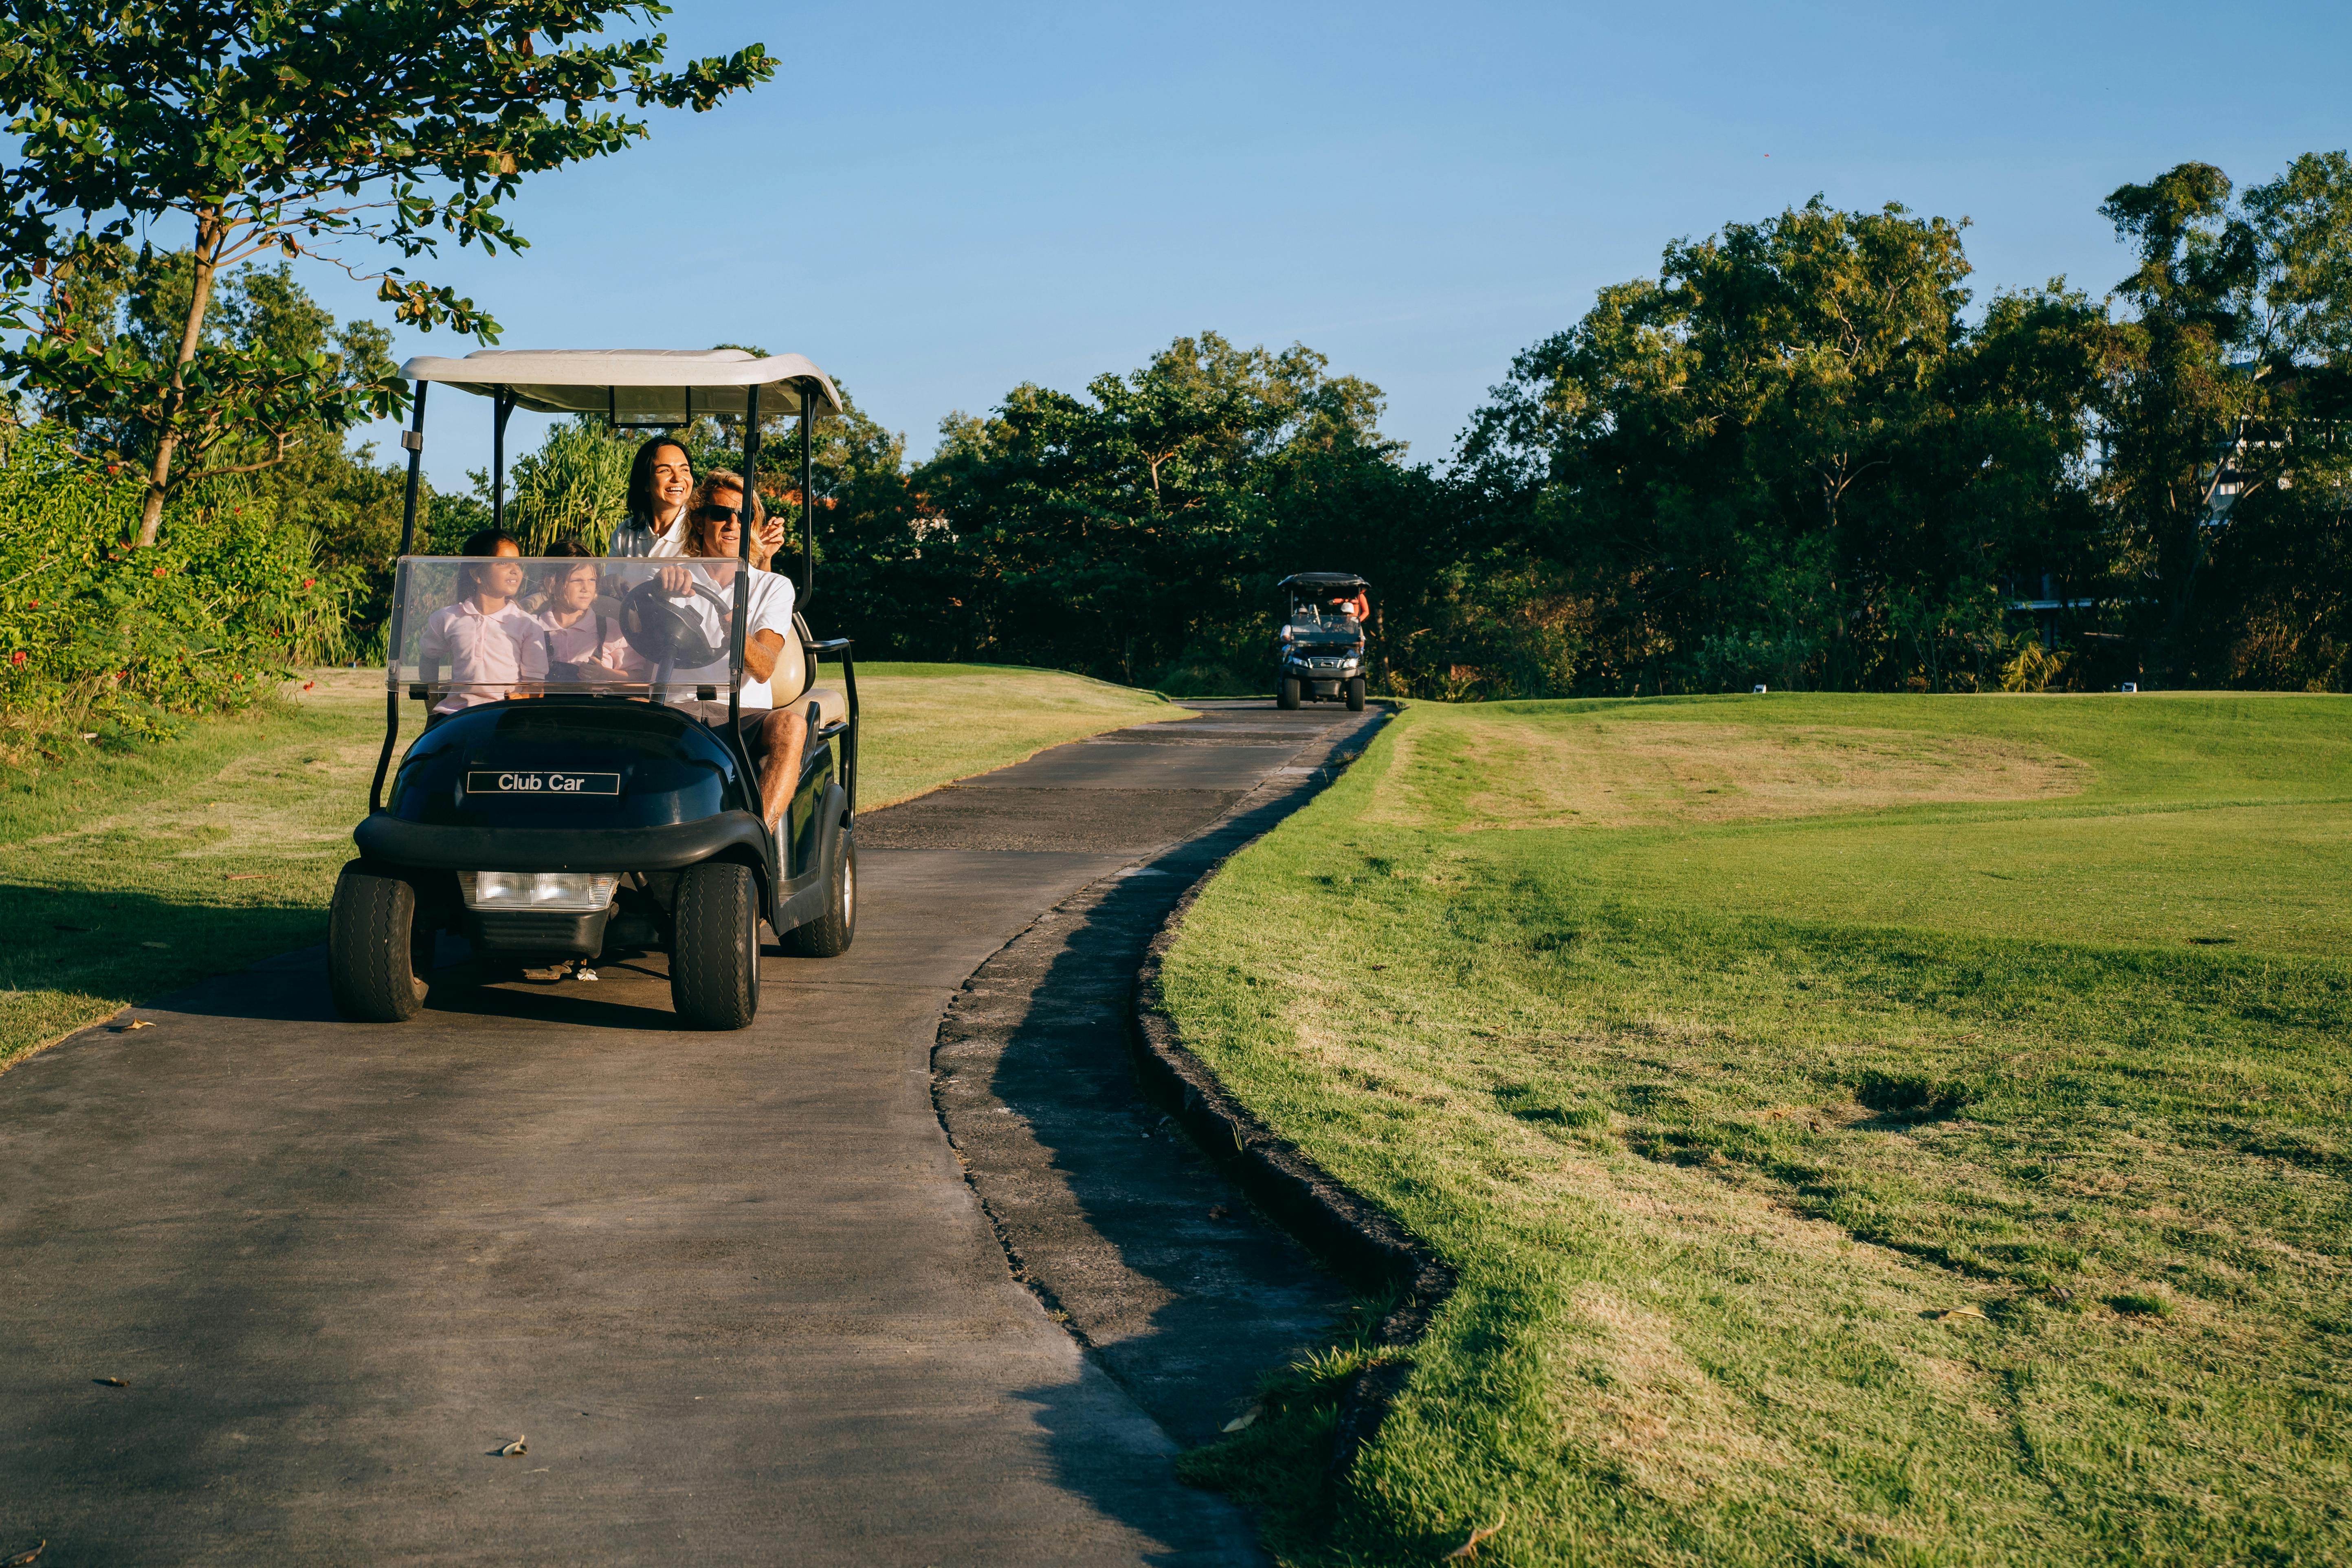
x=774 y=736
x=494 y=649
x=661 y=492
x=1358 y=607
x=584 y=648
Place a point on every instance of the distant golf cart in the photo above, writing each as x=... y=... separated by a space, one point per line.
x=1320 y=647
x=588 y=812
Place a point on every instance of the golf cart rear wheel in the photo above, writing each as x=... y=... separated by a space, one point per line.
x=378 y=952
x=830 y=935
x=714 y=962
x=1286 y=694
x=1356 y=694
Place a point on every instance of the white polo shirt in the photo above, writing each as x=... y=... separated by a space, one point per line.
x=771 y=610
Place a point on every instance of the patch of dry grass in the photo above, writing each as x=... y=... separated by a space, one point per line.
x=1610 y=770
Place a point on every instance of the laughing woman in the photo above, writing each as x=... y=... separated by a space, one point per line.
x=661 y=483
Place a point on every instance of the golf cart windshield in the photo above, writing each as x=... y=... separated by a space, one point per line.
x=1308 y=618
x=467 y=630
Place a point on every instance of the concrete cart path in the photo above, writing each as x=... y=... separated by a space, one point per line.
x=732 y=1288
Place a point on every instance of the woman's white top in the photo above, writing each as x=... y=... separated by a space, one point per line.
x=632 y=542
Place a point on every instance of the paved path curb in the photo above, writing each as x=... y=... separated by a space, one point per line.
x=1358 y=1239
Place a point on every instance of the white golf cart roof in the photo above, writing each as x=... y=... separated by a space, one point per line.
x=633 y=386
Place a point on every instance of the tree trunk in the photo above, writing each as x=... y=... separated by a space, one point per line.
x=167 y=435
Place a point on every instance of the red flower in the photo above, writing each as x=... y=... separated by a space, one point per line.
x=308 y=684
x=158 y=571
x=16 y=658
x=308 y=581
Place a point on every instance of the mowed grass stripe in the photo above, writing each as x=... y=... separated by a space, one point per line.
x=1816 y=1197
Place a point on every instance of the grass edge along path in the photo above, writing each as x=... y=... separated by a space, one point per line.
x=1788 y=1236
x=127 y=873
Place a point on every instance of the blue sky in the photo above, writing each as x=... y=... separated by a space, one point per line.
x=937 y=202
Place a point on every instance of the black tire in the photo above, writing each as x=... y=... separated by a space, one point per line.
x=1356 y=694
x=1286 y=694
x=714 y=956
x=830 y=935
x=378 y=952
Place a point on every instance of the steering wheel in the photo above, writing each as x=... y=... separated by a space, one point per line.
x=664 y=634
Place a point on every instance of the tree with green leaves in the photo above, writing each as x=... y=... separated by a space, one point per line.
x=289 y=128
x=1790 y=458
x=2227 y=380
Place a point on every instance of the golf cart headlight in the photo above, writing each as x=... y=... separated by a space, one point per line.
x=580 y=892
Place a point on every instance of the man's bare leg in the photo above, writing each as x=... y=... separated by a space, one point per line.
x=786 y=735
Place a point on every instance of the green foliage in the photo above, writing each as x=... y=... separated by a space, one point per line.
x=1135 y=533
x=576 y=486
x=1790 y=459
x=2224 y=467
x=287 y=128
x=99 y=639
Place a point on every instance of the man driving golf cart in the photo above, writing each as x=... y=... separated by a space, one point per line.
x=552 y=819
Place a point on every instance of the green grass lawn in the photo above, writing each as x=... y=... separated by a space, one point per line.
x=1868 y=1129
x=125 y=874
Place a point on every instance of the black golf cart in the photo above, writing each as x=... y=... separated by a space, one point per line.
x=557 y=810
x=1320 y=647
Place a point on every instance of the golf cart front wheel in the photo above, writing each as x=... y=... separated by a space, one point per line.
x=1356 y=694
x=1286 y=694
x=378 y=952
x=714 y=961
x=830 y=935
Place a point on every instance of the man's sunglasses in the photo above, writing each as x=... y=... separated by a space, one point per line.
x=720 y=514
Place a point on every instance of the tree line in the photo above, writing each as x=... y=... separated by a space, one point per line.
x=1803 y=454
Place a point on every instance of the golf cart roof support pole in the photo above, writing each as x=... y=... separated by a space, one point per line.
x=414 y=439
x=743 y=554
x=808 y=503
x=502 y=404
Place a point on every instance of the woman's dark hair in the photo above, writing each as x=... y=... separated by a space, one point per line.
x=641 y=473
x=486 y=542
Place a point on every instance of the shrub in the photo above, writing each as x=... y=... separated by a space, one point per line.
x=96 y=637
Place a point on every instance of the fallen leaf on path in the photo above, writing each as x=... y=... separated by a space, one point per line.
x=1245 y=1418
x=1469 y=1548
x=135 y=1023
x=512 y=1449
x=22 y=1558
x=110 y=1382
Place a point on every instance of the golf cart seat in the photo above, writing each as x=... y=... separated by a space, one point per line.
x=795 y=682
